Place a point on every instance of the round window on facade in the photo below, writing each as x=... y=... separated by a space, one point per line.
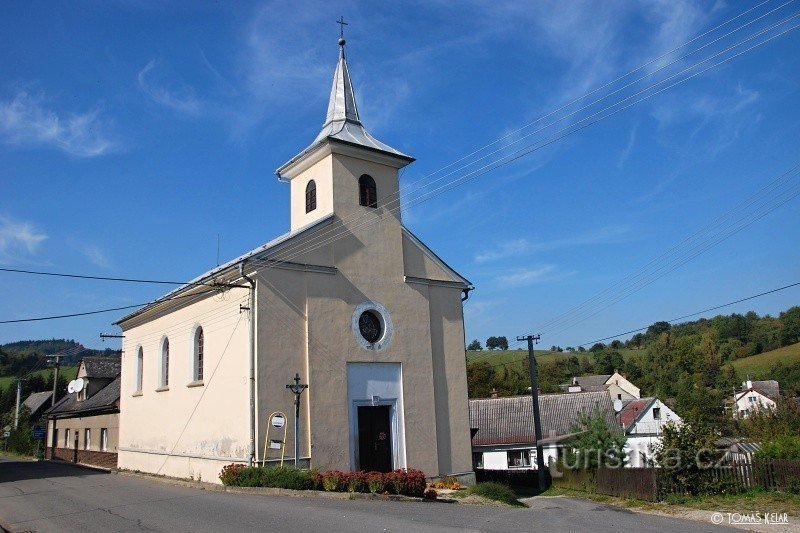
x=369 y=325
x=372 y=326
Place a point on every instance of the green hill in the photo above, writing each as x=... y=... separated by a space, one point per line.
x=69 y=372
x=759 y=366
x=516 y=358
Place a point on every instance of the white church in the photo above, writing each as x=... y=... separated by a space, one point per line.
x=367 y=315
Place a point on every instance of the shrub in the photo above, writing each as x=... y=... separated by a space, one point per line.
x=230 y=474
x=316 y=479
x=279 y=477
x=395 y=482
x=430 y=494
x=356 y=482
x=333 y=480
x=781 y=447
x=375 y=482
x=495 y=491
x=414 y=482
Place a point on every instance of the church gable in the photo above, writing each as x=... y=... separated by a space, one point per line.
x=422 y=263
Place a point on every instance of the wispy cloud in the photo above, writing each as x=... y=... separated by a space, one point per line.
x=177 y=96
x=521 y=247
x=530 y=275
x=626 y=152
x=26 y=120
x=720 y=118
x=18 y=239
x=96 y=255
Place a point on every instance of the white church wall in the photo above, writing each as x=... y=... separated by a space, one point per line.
x=158 y=430
x=322 y=174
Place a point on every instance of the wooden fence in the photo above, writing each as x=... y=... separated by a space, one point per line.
x=654 y=484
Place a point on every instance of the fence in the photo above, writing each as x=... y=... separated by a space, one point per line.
x=654 y=484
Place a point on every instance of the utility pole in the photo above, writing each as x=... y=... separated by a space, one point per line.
x=297 y=388
x=537 y=419
x=19 y=394
x=57 y=357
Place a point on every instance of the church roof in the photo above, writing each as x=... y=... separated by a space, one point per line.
x=258 y=253
x=342 y=122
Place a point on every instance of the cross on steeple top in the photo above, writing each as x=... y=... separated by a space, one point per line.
x=341 y=24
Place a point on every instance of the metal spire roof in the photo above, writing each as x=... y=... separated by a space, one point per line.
x=342 y=122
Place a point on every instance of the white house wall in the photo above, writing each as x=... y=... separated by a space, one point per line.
x=161 y=432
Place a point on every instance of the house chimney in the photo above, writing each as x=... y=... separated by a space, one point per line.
x=574 y=380
x=749 y=383
x=494 y=393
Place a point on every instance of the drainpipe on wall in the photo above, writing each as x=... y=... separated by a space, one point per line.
x=252 y=305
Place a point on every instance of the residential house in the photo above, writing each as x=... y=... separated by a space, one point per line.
x=351 y=301
x=643 y=420
x=755 y=396
x=503 y=428
x=83 y=426
x=36 y=404
x=615 y=384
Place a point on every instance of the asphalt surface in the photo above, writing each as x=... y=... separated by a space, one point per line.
x=45 y=496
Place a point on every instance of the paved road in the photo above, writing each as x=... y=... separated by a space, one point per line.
x=60 y=497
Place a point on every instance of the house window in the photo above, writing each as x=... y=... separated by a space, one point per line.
x=311 y=196
x=165 y=363
x=87 y=439
x=477 y=459
x=751 y=399
x=619 y=396
x=139 y=370
x=656 y=413
x=199 y=341
x=66 y=438
x=519 y=458
x=368 y=192
x=103 y=439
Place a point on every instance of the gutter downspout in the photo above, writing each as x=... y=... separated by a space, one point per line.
x=465 y=292
x=252 y=310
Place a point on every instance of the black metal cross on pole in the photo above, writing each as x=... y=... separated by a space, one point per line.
x=341 y=24
x=297 y=388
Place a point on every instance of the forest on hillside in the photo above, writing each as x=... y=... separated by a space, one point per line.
x=688 y=362
x=21 y=357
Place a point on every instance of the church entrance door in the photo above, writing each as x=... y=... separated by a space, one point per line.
x=375 y=438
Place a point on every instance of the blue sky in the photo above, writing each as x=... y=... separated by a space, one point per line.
x=132 y=133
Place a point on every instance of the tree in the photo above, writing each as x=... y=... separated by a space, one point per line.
x=607 y=362
x=492 y=343
x=480 y=379
x=598 y=346
x=596 y=444
x=790 y=326
x=658 y=328
x=502 y=343
x=683 y=453
x=616 y=344
x=475 y=346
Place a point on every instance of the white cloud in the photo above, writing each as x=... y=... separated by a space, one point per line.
x=96 y=256
x=178 y=97
x=520 y=247
x=528 y=276
x=25 y=120
x=18 y=239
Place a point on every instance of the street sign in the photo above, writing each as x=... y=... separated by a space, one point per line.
x=38 y=432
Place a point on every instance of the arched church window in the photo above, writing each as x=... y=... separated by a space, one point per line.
x=165 y=363
x=368 y=192
x=311 y=196
x=198 y=354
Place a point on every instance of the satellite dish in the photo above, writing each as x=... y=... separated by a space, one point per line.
x=71 y=386
x=79 y=384
x=617 y=406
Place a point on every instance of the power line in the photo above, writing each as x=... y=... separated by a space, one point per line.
x=86 y=313
x=126 y=280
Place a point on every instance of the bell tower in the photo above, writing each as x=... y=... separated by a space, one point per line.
x=345 y=170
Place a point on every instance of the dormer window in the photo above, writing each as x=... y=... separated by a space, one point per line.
x=311 y=196
x=368 y=192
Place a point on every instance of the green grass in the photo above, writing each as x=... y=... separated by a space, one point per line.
x=497 y=492
x=758 y=366
x=69 y=372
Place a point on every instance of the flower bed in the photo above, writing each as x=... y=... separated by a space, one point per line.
x=408 y=482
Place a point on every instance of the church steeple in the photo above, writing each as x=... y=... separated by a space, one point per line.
x=342 y=102
x=342 y=123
